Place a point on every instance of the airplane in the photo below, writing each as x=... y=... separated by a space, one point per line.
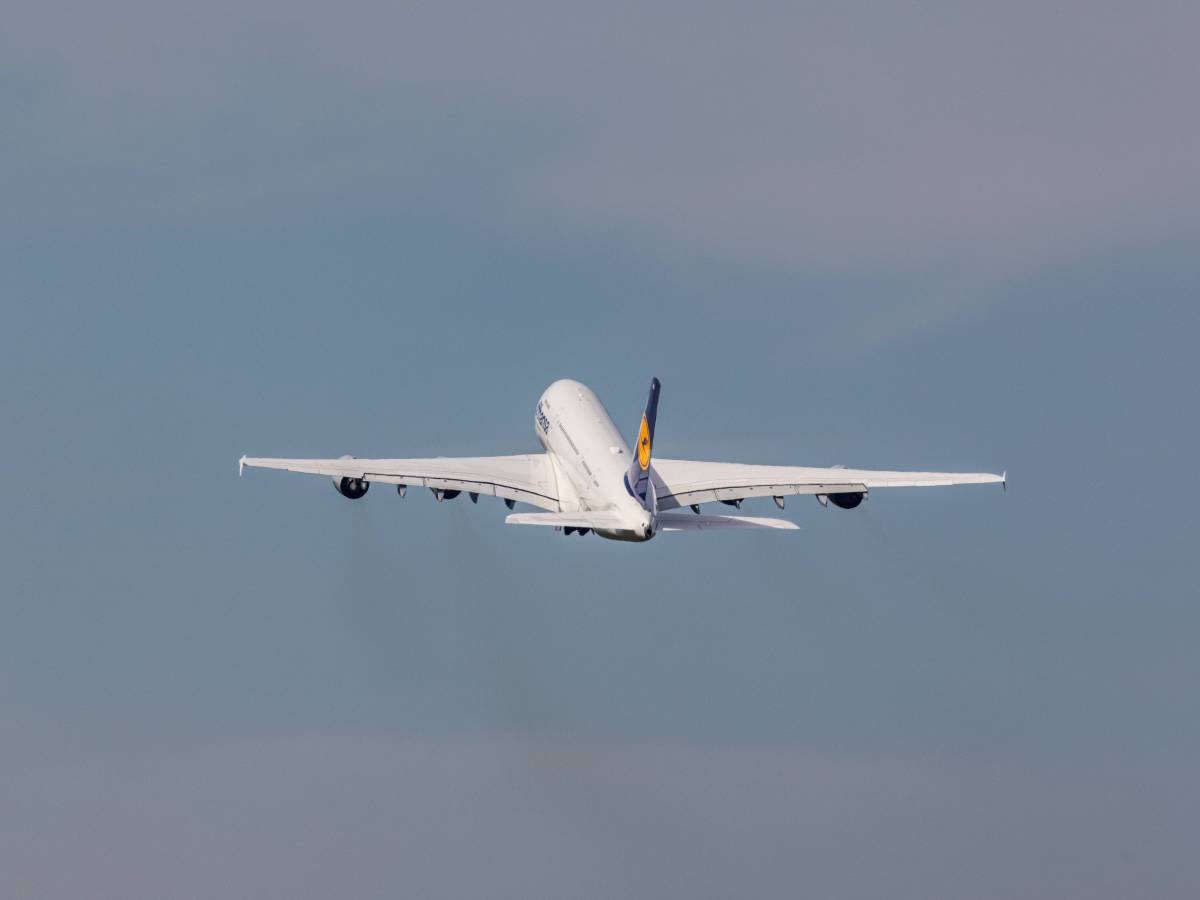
x=588 y=479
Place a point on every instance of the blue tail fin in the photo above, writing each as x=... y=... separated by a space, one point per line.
x=638 y=478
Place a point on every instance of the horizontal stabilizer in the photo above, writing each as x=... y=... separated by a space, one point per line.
x=583 y=519
x=688 y=522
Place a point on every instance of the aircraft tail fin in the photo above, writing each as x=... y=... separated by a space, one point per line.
x=637 y=480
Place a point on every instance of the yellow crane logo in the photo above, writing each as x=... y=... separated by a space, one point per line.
x=643 y=444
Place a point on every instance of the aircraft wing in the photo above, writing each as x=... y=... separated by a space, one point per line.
x=684 y=482
x=527 y=478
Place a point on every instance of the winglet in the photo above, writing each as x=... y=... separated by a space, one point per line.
x=1004 y=481
x=241 y=465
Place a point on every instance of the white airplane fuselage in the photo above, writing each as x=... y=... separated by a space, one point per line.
x=590 y=458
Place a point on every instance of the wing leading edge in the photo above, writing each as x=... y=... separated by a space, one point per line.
x=682 y=482
x=527 y=478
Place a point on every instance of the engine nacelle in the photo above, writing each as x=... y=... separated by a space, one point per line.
x=351 y=488
x=847 y=501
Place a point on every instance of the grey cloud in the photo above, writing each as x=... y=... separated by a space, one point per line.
x=785 y=134
x=946 y=149
x=375 y=815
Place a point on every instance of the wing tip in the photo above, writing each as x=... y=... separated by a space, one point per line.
x=241 y=465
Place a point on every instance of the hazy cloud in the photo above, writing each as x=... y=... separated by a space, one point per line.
x=798 y=135
x=374 y=815
x=315 y=229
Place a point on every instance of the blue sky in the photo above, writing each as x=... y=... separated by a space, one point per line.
x=932 y=236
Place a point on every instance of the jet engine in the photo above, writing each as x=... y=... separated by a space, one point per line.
x=847 y=501
x=351 y=488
